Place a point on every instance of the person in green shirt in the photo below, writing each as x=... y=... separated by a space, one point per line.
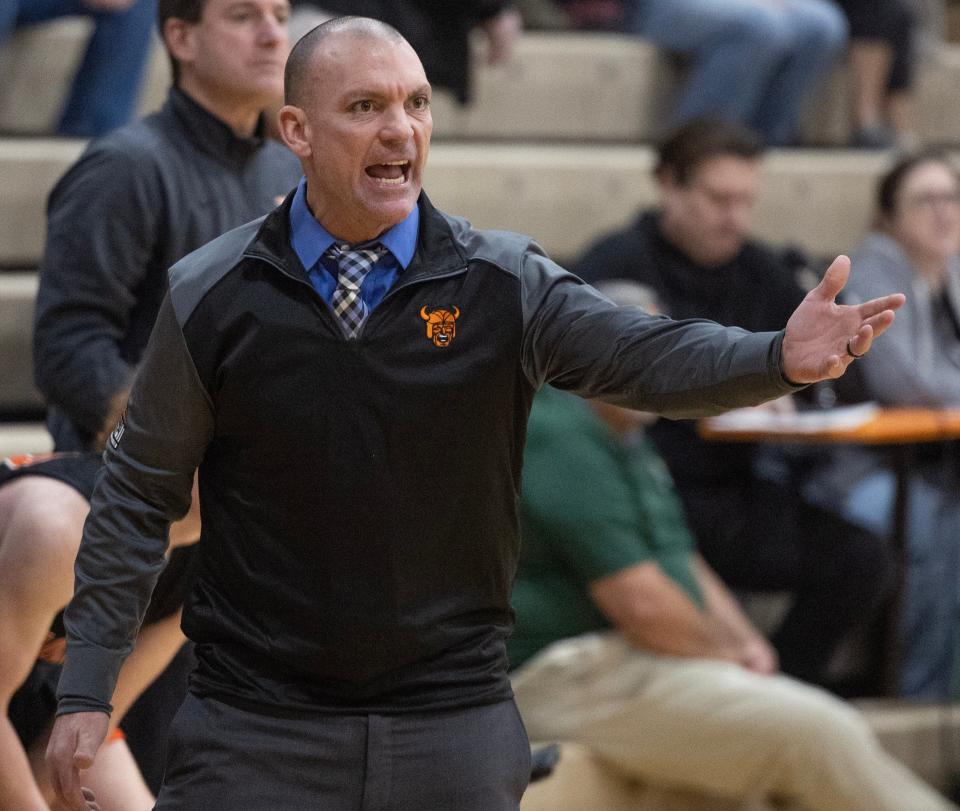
x=629 y=644
x=591 y=474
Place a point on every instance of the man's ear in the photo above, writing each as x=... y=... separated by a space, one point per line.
x=666 y=178
x=179 y=39
x=294 y=130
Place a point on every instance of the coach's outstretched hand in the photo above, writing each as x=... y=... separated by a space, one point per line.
x=823 y=338
x=74 y=742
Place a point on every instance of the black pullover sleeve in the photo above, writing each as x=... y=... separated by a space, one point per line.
x=573 y=337
x=145 y=484
x=577 y=339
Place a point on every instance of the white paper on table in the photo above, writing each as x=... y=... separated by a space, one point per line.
x=801 y=422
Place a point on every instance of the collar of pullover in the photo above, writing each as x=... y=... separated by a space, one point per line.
x=211 y=135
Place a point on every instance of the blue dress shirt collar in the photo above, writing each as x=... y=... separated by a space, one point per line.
x=311 y=240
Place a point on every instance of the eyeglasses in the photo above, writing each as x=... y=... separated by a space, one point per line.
x=932 y=200
x=725 y=199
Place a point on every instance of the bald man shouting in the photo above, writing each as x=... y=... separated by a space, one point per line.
x=352 y=376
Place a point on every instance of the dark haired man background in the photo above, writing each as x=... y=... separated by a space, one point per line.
x=149 y=193
x=744 y=506
x=135 y=202
x=359 y=482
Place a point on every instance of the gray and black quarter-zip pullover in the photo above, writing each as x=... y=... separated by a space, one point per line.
x=359 y=497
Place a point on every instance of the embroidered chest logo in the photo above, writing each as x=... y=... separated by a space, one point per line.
x=441 y=325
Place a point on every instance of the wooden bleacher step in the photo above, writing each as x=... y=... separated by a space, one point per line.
x=578 y=86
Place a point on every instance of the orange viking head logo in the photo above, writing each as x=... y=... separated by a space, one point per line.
x=441 y=325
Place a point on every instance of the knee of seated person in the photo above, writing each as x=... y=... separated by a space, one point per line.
x=834 y=727
x=46 y=539
x=48 y=529
x=819 y=725
x=763 y=31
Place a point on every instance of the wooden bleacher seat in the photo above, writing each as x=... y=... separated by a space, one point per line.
x=580 y=87
x=925 y=737
x=581 y=782
x=564 y=195
x=559 y=86
x=37 y=64
x=17 y=393
x=17 y=438
x=29 y=168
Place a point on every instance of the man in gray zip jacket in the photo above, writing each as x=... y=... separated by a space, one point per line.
x=352 y=375
x=146 y=195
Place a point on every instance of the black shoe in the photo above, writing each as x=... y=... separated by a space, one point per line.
x=544 y=761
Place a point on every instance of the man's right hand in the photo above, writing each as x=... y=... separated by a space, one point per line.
x=74 y=742
x=823 y=338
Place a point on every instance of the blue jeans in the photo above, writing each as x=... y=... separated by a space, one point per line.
x=106 y=86
x=930 y=609
x=753 y=61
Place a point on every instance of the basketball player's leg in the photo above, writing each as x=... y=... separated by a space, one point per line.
x=40 y=525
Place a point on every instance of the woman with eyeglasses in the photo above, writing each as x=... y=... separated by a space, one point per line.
x=914 y=247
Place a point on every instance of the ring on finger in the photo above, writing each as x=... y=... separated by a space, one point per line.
x=850 y=351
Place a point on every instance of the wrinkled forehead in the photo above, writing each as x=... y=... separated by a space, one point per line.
x=359 y=56
x=726 y=168
x=213 y=8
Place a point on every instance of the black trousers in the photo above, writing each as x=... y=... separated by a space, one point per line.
x=889 y=21
x=145 y=725
x=762 y=537
x=224 y=757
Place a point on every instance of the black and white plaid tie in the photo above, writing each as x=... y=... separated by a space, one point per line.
x=353 y=265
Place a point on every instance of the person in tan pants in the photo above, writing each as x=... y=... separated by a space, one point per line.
x=628 y=643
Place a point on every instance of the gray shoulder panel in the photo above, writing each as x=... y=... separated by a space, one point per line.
x=505 y=249
x=193 y=276
x=141 y=140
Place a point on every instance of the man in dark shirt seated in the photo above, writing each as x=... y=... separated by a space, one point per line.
x=743 y=501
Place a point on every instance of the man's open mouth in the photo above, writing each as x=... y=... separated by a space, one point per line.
x=394 y=173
